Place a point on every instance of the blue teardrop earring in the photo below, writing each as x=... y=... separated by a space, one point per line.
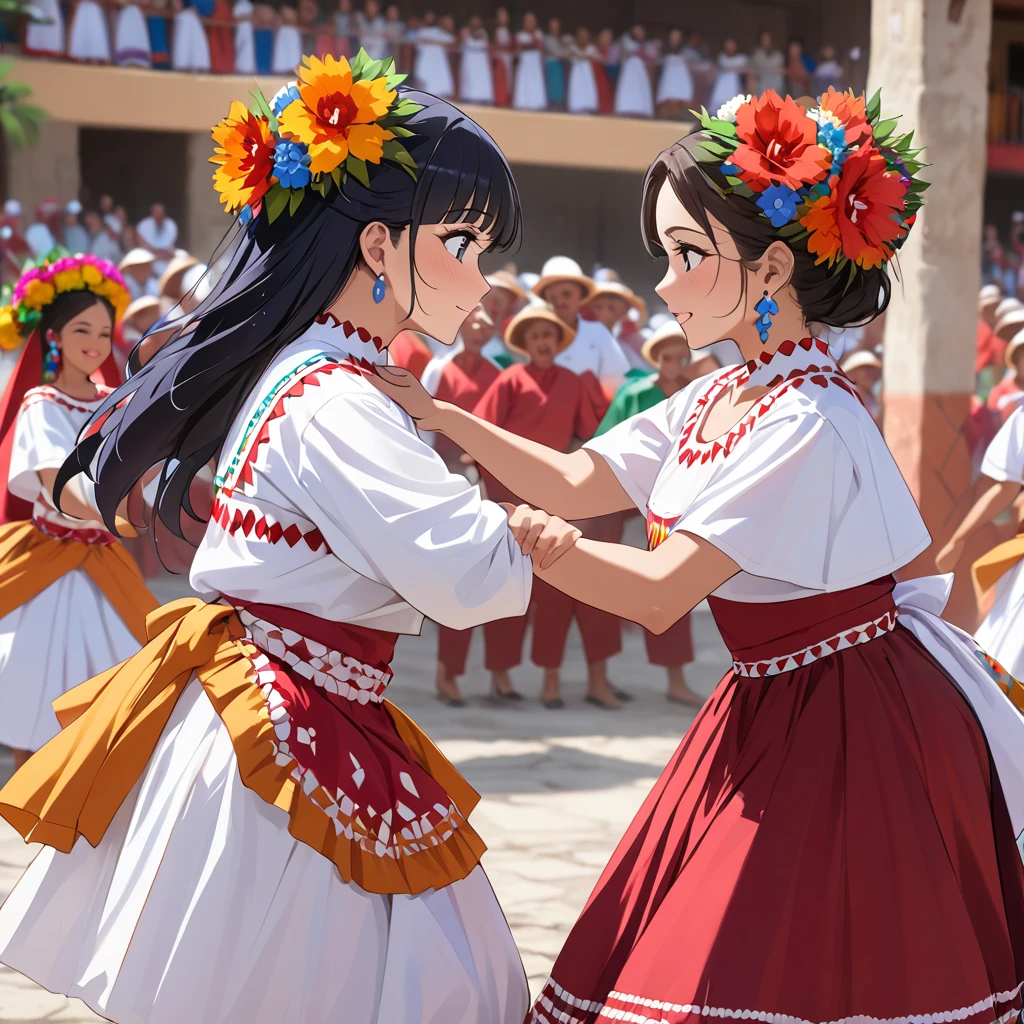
x=51 y=362
x=767 y=308
x=380 y=288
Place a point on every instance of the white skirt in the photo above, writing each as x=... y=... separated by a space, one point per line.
x=89 y=38
x=198 y=906
x=727 y=85
x=676 y=82
x=476 y=81
x=287 y=50
x=530 y=90
x=582 y=97
x=131 y=38
x=633 y=93
x=48 y=38
x=1002 y=633
x=245 y=48
x=190 y=50
x=66 y=634
x=432 y=70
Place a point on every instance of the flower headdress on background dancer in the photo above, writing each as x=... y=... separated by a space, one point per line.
x=38 y=287
x=833 y=178
x=336 y=121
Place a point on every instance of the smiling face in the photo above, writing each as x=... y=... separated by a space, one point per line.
x=565 y=298
x=703 y=288
x=85 y=340
x=539 y=339
x=609 y=309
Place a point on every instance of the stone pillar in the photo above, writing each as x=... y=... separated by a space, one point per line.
x=930 y=58
x=47 y=170
x=206 y=221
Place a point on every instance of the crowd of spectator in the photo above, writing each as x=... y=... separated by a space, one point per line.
x=530 y=66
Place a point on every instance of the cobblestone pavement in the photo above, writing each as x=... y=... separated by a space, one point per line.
x=558 y=787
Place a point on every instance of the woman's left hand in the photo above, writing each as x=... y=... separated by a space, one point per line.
x=542 y=536
x=401 y=386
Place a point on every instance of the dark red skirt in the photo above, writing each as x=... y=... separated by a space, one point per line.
x=828 y=844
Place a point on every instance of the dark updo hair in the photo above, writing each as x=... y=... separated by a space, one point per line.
x=826 y=297
x=66 y=306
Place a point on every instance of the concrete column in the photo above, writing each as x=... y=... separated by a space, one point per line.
x=930 y=58
x=206 y=220
x=47 y=170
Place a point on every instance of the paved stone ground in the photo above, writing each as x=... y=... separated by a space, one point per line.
x=558 y=787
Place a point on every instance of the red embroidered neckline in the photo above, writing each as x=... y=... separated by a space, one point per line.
x=349 y=328
x=787 y=348
x=48 y=393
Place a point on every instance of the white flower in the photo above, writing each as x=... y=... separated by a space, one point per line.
x=727 y=111
x=822 y=117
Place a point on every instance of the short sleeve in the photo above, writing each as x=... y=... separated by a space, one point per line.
x=1004 y=457
x=43 y=439
x=635 y=451
x=390 y=509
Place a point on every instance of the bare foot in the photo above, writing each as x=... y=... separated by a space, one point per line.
x=599 y=690
x=679 y=692
x=448 y=691
x=502 y=686
x=551 y=694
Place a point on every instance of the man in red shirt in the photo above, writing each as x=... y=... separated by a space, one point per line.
x=409 y=351
x=547 y=403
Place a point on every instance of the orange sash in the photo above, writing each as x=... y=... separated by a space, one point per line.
x=991 y=567
x=30 y=561
x=111 y=725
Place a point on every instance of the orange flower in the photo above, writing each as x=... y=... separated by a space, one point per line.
x=245 y=153
x=778 y=143
x=336 y=116
x=848 y=110
x=820 y=221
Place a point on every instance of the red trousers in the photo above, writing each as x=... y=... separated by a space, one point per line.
x=672 y=648
x=553 y=611
x=503 y=646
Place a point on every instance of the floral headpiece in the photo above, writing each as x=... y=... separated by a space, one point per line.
x=834 y=177
x=39 y=285
x=332 y=123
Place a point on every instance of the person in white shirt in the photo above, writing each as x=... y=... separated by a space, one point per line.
x=565 y=288
x=158 y=233
x=101 y=243
x=137 y=269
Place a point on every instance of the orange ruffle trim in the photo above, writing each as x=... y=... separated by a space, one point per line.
x=111 y=725
x=30 y=561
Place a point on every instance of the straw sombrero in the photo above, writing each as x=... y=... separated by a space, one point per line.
x=990 y=293
x=670 y=331
x=562 y=268
x=177 y=266
x=620 y=291
x=140 y=305
x=1009 y=319
x=858 y=359
x=503 y=279
x=536 y=311
x=1016 y=342
x=137 y=257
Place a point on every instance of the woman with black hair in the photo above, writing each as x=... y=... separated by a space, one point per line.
x=72 y=601
x=266 y=838
x=834 y=839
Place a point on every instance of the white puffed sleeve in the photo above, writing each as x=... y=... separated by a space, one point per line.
x=1004 y=457
x=44 y=437
x=388 y=507
x=815 y=502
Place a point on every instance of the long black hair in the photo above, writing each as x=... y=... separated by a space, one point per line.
x=176 y=409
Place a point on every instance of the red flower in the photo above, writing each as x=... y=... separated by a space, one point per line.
x=869 y=201
x=849 y=112
x=778 y=143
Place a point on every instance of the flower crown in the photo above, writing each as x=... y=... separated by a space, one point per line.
x=39 y=285
x=315 y=133
x=834 y=177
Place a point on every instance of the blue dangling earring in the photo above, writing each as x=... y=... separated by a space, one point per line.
x=767 y=308
x=51 y=362
x=379 y=288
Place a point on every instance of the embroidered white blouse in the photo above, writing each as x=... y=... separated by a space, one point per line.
x=1004 y=457
x=802 y=494
x=329 y=502
x=45 y=434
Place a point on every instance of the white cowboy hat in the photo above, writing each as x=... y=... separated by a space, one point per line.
x=990 y=293
x=1009 y=322
x=620 y=291
x=563 y=268
x=1015 y=343
x=137 y=257
x=670 y=331
x=536 y=311
x=856 y=360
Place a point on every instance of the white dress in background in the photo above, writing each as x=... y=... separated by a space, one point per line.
x=245 y=38
x=432 y=69
x=476 y=80
x=728 y=82
x=70 y=631
x=89 y=37
x=190 y=49
x=676 y=83
x=198 y=905
x=530 y=90
x=131 y=38
x=372 y=35
x=1002 y=632
x=287 y=50
x=46 y=40
x=633 y=94
x=582 y=95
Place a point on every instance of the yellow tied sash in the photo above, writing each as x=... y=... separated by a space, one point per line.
x=991 y=567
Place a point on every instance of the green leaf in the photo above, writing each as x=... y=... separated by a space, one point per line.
x=357 y=168
x=396 y=80
x=373 y=69
x=294 y=200
x=874 y=107
x=885 y=128
x=276 y=200
x=362 y=58
x=402 y=133
x=336 y=176
x=406 y=108
x=320 y=184
x=12 y=128
x=722 y=127
x=261 y=108
x=397 y=153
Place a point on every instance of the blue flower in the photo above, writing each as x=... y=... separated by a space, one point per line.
x=729 y=168
x=283 y=97
x=245 y=214
x=779 y=204
x=291 y=164
x=832 y=137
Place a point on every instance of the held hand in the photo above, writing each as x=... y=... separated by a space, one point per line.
x=402 y=387
x=949 y=556
x=542 y=536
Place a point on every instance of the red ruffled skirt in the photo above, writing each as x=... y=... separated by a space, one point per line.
x=829 y=843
